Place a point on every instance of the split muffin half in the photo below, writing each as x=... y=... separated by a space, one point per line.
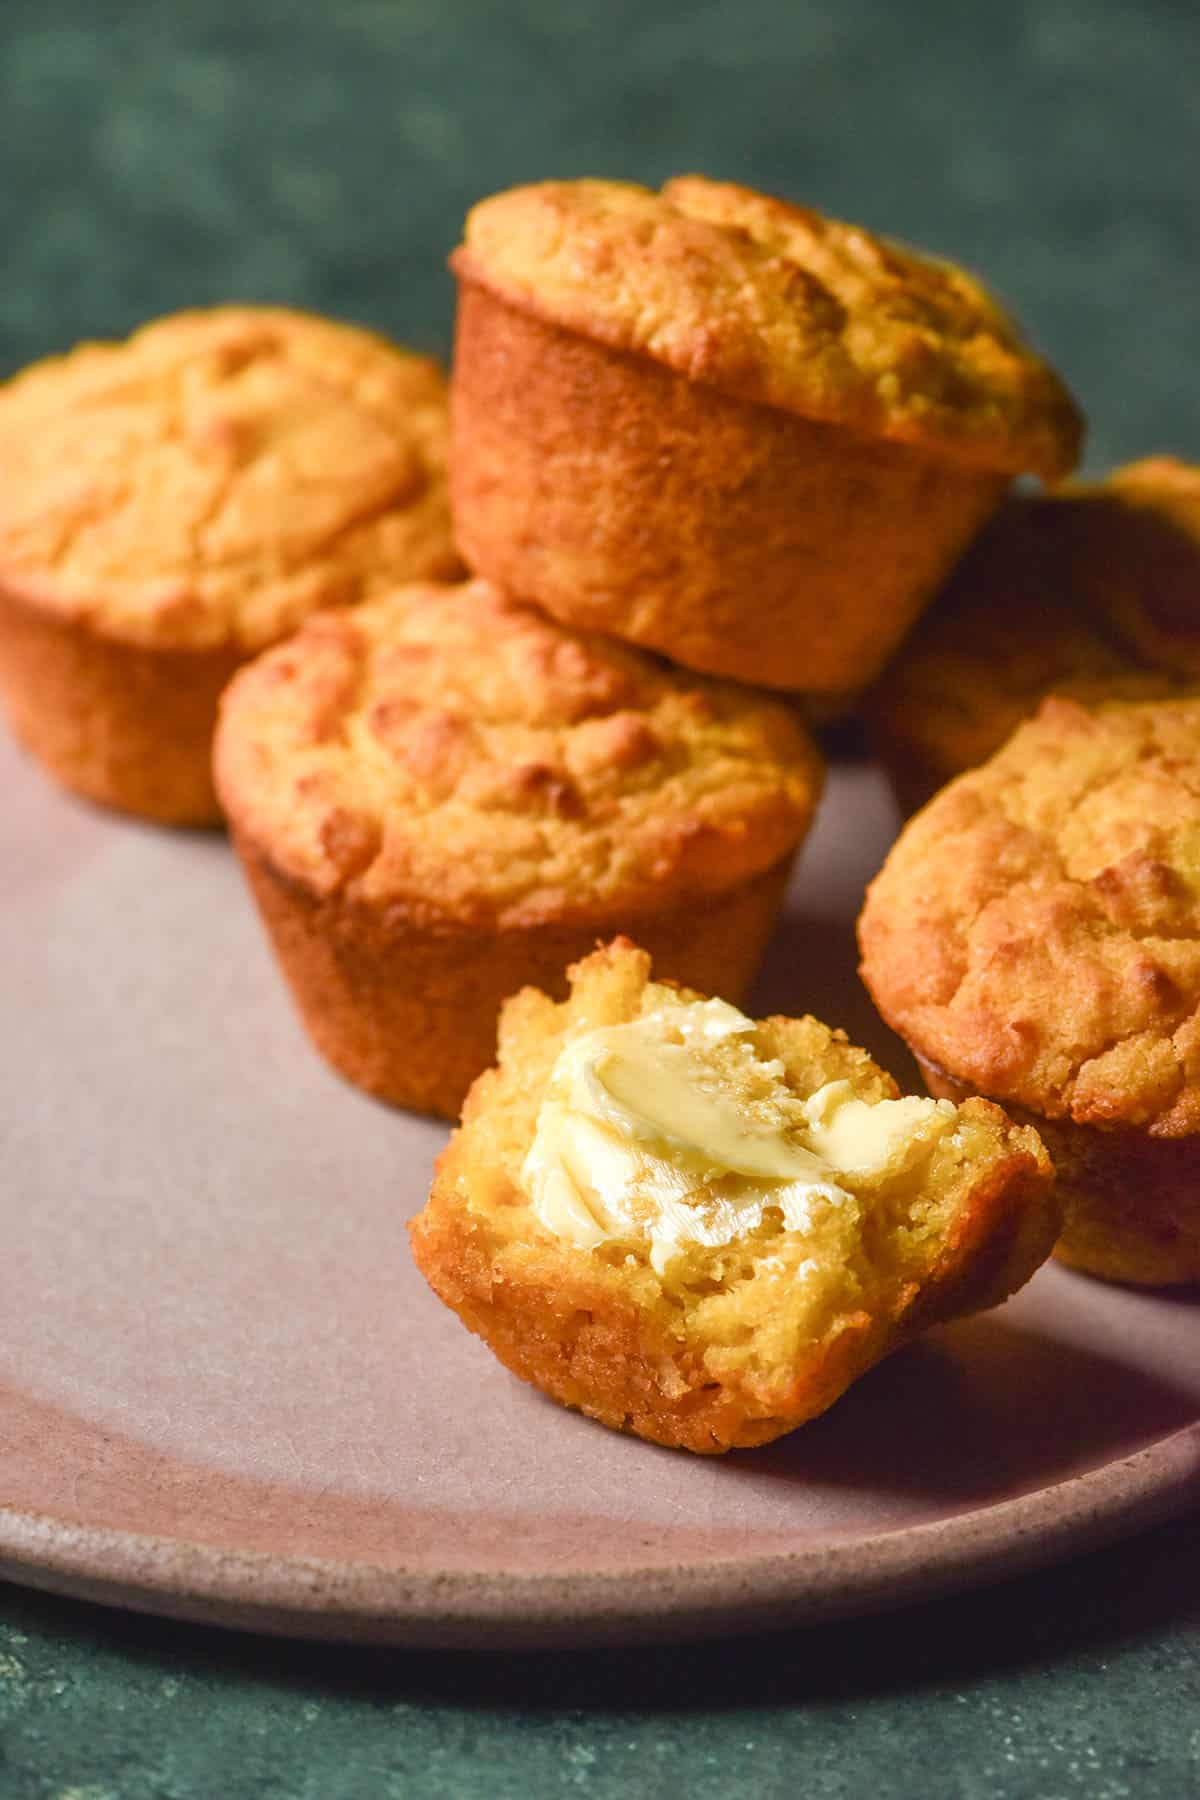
x=701 y=1228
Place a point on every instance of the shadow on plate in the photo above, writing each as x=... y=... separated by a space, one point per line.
x=811 y=966
x=942 y=1417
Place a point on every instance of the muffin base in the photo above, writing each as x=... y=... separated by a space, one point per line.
x=1132 y=1201
x=128 y=726
x=738 y=539
x=408 y=1012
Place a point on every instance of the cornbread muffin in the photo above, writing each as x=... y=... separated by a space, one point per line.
x=1035 y=936
x=444 y=794
x=702 y=1229
x=729 y=429
x=1093 y=592
x=173 y=504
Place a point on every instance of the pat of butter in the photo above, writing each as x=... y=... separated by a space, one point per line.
x=673 y=1129
x=860 y=1137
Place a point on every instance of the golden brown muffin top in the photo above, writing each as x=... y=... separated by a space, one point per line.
x=1035 y=931
x=456 y=752
x=221 y=475
x=778 y=305
x=1094 y=592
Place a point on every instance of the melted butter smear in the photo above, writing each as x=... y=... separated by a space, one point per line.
x=673 y=1129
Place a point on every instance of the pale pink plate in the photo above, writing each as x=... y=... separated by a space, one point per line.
x=225 y=1394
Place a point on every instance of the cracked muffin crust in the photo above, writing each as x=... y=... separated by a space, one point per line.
x=1035 y=936
x=767 y=1297
x=773 y=303
x=717 y=424
x=443 y=794
x=172 y=504
x=1093 y=592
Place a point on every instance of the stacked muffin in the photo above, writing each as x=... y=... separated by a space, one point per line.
x=1093 y=591
x=1033 y=935
x=171 y=505
x=443 y=795
x=731 y=430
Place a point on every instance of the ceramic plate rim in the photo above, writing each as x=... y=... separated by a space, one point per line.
x=359 y=1601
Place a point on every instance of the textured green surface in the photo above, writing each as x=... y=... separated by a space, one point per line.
x=1083 y=1682
x=159 y=155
